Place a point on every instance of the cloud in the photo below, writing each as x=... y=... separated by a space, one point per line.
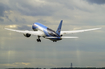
x=96 y=1
x=2 y=9
x=47 y=11
x=16 y=64
x=17 y=50
x=1 y=19
x=32 y=8
x=24 y=27
x=19 y=27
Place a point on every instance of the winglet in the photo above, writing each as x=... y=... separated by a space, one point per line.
x=59 y=28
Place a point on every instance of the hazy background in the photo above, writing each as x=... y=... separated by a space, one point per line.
x=19 y=51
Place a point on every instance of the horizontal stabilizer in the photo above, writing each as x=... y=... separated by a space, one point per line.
x=69 y=37
x=51 y=37
x=61 y=37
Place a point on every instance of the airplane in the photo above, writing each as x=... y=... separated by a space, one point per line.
x=41 y=30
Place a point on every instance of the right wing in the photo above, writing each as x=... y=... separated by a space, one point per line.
x=26 y=31
x=77 y=31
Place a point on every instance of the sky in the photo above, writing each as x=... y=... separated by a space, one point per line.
x=86 y=51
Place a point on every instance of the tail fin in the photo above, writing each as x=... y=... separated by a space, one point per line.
x=59 y=28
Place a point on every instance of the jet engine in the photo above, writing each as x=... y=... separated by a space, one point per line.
x=27 y=35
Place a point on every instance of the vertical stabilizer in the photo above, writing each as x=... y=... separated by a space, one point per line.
x=59 y=28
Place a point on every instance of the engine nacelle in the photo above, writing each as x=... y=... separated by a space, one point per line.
x=27 y=35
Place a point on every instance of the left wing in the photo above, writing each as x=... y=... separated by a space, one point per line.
x=26 y=31
x=77 y=31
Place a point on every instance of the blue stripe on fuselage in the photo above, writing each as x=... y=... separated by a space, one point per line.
x=36 y=25
x=41 y=25
x=44 y=28
x=48 y=32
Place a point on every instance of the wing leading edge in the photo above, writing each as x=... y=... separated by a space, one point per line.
x=26 y=31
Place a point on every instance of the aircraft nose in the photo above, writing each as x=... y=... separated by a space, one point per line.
x=34 y=27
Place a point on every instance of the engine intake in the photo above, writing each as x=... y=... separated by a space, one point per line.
x=27 y=35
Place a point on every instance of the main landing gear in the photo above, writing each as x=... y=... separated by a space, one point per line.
x=38 y=40
x=54 y=41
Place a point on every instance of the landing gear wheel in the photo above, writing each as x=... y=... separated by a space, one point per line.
x=38 y=40
x=54 y=41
